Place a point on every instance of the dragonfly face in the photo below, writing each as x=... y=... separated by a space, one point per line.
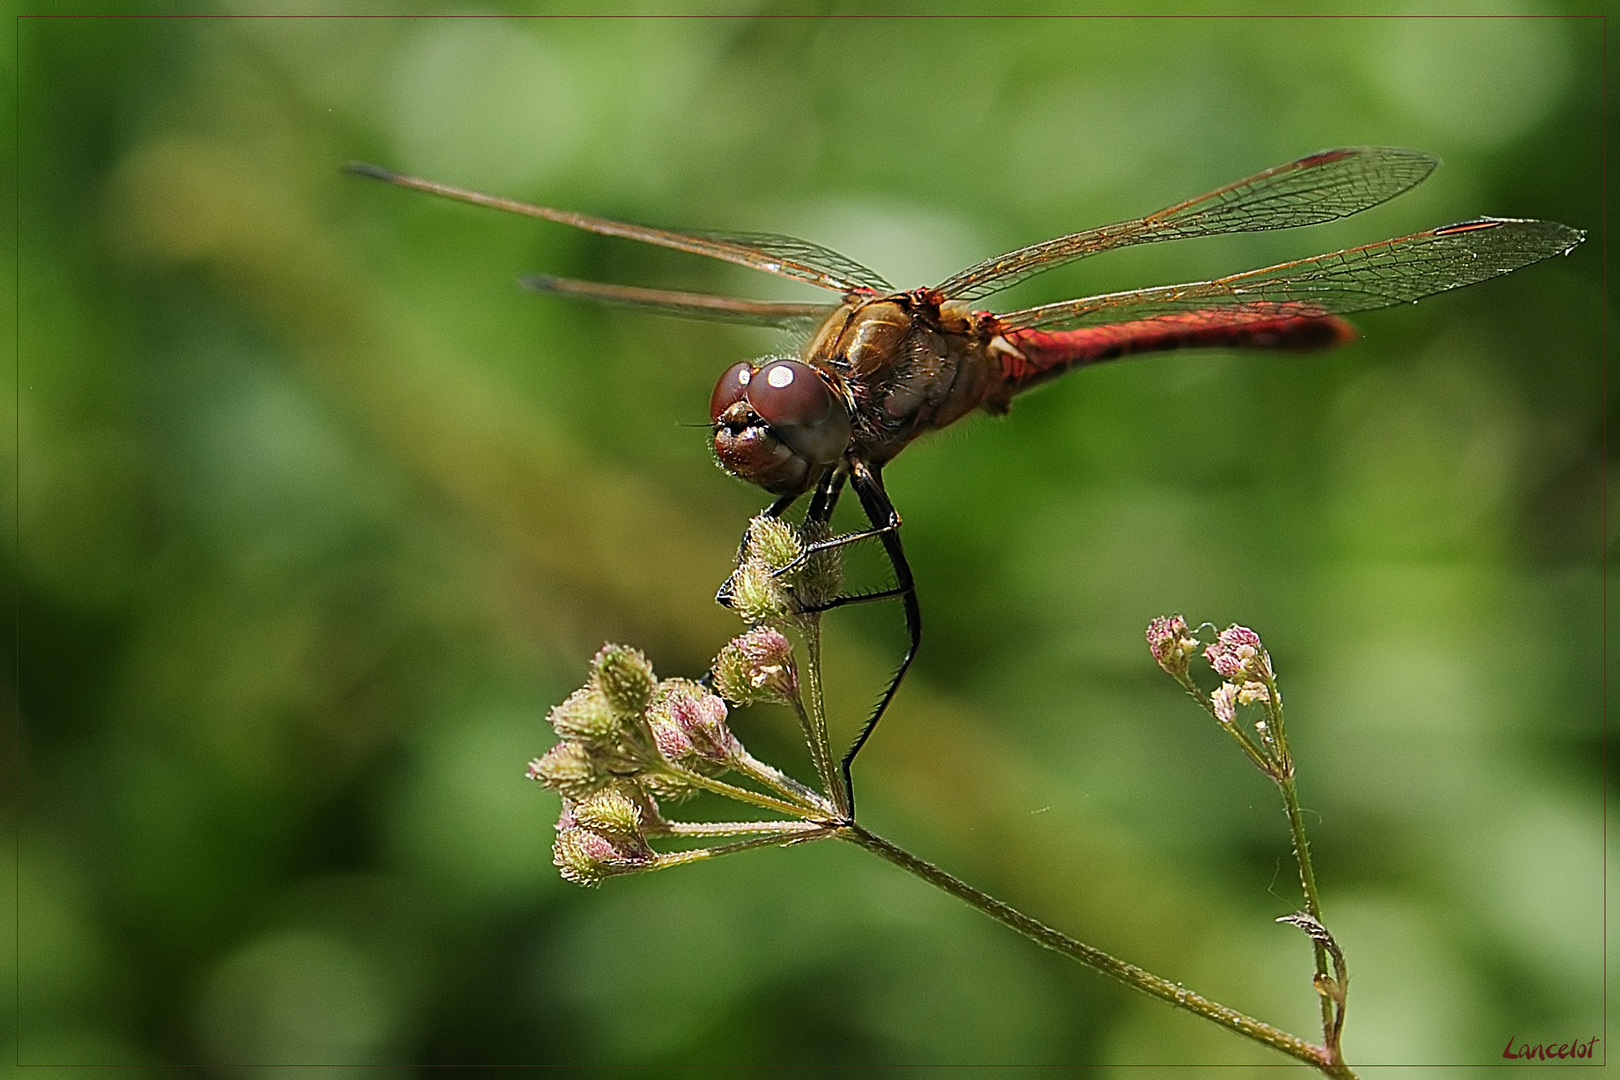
x=881 y=367
x=779 y=424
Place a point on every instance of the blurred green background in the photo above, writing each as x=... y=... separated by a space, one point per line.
x=320 y=513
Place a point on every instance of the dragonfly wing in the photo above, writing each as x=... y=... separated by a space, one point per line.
x=1324 y=186
x=783 y=316
x=784 y=256
x=1358 y=279
x=792 y=251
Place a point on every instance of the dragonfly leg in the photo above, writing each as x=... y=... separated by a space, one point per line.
x=856 y=598
x=820 y=512
x=825 y=500
x=868 y=484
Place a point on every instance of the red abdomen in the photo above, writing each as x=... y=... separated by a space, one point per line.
x=1047 y=354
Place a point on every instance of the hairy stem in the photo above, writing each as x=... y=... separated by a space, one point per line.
x=679 y=858
x=1094 y=958
x=737 y=828
x=814 y=721
x=781 y=783
x=1332 y=1011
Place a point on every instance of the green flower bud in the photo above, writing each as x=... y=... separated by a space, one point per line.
x=757 y=596
x=666 y=785
x=772 y=541
x=625 y=679
x=822 y=574
x=569 y=770
x=610 y=812
x=585 y=717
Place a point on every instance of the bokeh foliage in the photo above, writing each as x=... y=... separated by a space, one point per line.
x=319 y=514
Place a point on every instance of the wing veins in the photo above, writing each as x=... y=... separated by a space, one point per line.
x=1402 y=270
x=789 y=257
x=687 y=305
x=1322 y=187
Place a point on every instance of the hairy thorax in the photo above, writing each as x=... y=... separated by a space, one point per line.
x=907 y=364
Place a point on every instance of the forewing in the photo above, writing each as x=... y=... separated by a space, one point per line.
x=784 y=256
x=1324 y=186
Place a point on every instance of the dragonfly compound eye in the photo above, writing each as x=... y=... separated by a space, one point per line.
x=801 y=409
x=732 y=388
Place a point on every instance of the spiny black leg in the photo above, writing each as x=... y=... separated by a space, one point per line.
x=868 y=484
x=854 y=598
x=820 y=513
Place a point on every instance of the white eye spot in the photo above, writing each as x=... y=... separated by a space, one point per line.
x=779 y=376
x=743 y=376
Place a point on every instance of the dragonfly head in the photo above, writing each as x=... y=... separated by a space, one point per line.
x=778 y=425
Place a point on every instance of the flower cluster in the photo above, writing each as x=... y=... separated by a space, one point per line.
x=625 y=740
x=1239 y=658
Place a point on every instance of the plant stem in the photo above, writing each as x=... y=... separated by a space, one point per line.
x=736 y=828
x=1283 y=773
x=781 y=783
x=1331 y=1024
x=814 y=721
x=1094 y=958
x=678 y=858
x=742 y=794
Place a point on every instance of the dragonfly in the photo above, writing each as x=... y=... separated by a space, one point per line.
x=881 y=366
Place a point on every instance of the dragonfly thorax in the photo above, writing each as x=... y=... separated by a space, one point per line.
x=910 y=364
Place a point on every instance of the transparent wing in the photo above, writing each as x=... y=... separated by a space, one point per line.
x=1358 y=279
x=783 y=316
x=781 y=255
x=1328 y=185
x=792 y=251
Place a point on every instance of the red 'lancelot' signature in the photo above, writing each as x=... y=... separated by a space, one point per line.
x=1550 y=1050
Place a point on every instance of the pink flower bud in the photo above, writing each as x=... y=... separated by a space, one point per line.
x=1238 y=655
x=1224 y=702
x=698 y=715
x=1170 y=643
x=688 y=722
x=757 y=666
x=586 y=858
x=674 y=745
